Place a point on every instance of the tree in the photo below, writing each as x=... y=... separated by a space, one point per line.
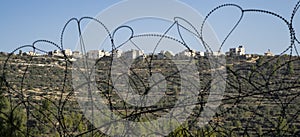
x=290 y=68
x=12 y=119
x=282 y=126
x=237 y=124
x=260 y=61
x=259 y=130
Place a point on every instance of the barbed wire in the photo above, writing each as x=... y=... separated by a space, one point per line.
x=261 y=97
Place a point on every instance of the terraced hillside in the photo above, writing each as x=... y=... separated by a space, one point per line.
x=261 y=96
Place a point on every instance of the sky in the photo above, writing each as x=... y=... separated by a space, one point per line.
x=23 y=22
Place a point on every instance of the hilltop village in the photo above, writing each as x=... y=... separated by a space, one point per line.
x=133 y=53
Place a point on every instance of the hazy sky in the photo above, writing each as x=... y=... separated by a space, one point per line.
x=23 y=22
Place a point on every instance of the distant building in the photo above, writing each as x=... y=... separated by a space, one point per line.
x=55 y=53
x=96 y=54
x=77 y=54
x=239 y=51
x=132 y=54
x=215 y=53
x=162 y=54
x=248 y=56
x=68 y=52
x=117 y=53
x=269 y=53
x=31 y=53
x=200 y=53
x=186 y=53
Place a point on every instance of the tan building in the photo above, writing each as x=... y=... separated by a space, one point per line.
x=77 y=54
x=269 y=53
x=96 y=54
x=132 y=54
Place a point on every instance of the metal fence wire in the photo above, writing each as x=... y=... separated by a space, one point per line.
x=261 y=98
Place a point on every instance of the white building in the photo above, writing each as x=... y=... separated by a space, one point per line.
x=163 y=54
x=68 y=52
x=31 y=53
x=186 y=53
x=239 y=51
x=117 y=53
x=77 y=54
x=96 y=54
x=215 y=53
x=56 y=53
x=132 y=54
x=200 y=53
